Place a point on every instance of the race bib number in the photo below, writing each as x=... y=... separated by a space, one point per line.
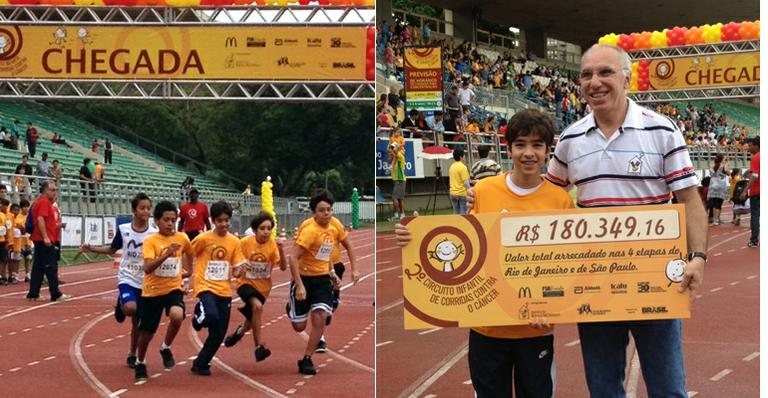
x=135 y=268
x=16 y=233
x=258 y=270
x=217 y=270
x=324 y=253
x=169 y=268
x=3 y=230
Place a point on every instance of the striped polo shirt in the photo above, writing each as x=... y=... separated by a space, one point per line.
x=640 y=164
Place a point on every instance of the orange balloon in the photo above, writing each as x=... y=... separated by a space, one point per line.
x=693 y=36
x=643 y=40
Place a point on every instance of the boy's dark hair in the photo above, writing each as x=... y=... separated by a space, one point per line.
x=4 y=202
x=754 y=140
x=482 y=151
x=320 y=195
x=15 y=206
x=260 y=218
x=219 y=208
x=138 y=198
x=162 y=207
x=458 y=153
x=23 y=203
x=530 y=121
x=86 y=161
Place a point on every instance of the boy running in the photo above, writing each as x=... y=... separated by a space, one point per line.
x=313 y=276
x=216 y=252
x=254 y=280
x=523 y=352
x=14 y=247
x=24 y=243
x=129 y=238
x=6 y=241
x=167 y=258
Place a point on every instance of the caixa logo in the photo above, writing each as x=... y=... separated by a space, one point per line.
x=655 y=310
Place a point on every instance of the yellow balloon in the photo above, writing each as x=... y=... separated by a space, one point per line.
x=711 y=33
x=182 y=3
x=282 y=2
x=610 y=39
x=658 y=39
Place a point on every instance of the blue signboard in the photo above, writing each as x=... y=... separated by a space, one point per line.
x=384 y=167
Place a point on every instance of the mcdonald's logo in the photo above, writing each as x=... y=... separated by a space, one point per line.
x=230 y=41
x=524 y=292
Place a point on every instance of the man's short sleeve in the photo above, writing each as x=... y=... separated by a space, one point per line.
x=557 y=171
x=678 y=169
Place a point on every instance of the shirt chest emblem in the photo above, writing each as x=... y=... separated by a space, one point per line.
x=635 y=165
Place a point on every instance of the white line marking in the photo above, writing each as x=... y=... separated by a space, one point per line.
x=573 y=343
x=734 y=283
x=692 y=394
x=422 y=385
x=76 y=356
x=12 y=333
x=699 y=296
x=731 y=250
x=26 y=330
x=467 y=382
x=90 y=345
x=117 y=393
x=720 y=375
x=291 y=391
x=156 y=375
x=68 y=284
x=39 y=326
x=715 y=289
x=750 y=356
x=182 y=363
x=430 y=331
x=33 y=363
x=300 y=383
x=14 y=370
x=389 y=306
x=383 y=262
x=41 y=306
x=430 y=396
x=106 y=340
x=752 y=277
x=382 y=344
x=49 y=358
x=718 y=254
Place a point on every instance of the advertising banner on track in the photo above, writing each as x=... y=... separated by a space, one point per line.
x=177 y=53
x=423 y=79
x=705 y=71
x=568 y=266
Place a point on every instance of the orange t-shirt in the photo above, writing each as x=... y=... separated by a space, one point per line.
x=336 y=253
x=492 y=195
x=20 y=240
x=166 y=277
x=262 y=258
x=214 y=258
x=318 y=243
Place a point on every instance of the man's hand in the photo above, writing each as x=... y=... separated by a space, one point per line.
x=470 y=199
x=85 y=248
x=539 y=323
x=301 y=293
x=402 y=235
x=694 y=275
x=47 y=241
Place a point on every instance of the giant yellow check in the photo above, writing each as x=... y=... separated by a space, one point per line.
x=578 y=265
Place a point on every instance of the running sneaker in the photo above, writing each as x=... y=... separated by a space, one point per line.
x=13 y=280
x=38 y=298
x=233 y=338
x=140 y=371
x=752 y=244
x=131 y=361
x=168 y=361
x=306 y=367
x=262 y=353
x=63 y=297
x=321 y=346
x=3 y=281
x=200 y=371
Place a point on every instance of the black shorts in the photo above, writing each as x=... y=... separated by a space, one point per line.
x=192 y=234
x=246 y=293
x=3 y=252
x=150 y=309
x=714 y=203
x=528 y=360
x=319 y=297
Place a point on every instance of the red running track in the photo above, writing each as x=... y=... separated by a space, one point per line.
x=721 y=341
x=76 y=349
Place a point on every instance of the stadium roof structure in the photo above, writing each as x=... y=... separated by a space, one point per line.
x=584 y=22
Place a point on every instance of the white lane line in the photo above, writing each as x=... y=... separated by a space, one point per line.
x=68 y=284
x=26 y=330
x=752 y=277
x=106 y=340
x=76 y=356
x=430 y=396
x=41 y=306
x=117 y=393
x=734 y=283
x=731 y=250
x=430 y=331
x=14 y=370
x=692 y=394
x=750 y=356
x=382 y=344
x=720 y=375
x=433 y=374
x=715 y=289
x=33 y=363
x=573 y=343
x=383 y=262
x=718 y=254
x=381 y=271
x=49 y=358
x=90 y=345
x=156 y=375
x=39 y=326
x=12 y=333
x=467 y=382
x=389 y=306
x=291 y=391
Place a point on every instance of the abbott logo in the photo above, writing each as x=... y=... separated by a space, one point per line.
x=524 y=292
x=230 y=42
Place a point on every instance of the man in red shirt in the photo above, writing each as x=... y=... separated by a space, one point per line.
x=754 y=190
x=193 y=217
x=46 y=237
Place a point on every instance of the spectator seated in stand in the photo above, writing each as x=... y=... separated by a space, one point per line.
x=58 y=139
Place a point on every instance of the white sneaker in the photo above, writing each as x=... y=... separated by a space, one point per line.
x=64 y=297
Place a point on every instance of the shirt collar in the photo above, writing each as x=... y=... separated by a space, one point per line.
x=633 y=119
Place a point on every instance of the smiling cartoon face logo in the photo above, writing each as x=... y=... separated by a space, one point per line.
x=447 y=252
x=675 y=271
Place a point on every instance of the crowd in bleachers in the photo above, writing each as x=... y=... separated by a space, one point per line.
x=704 y=128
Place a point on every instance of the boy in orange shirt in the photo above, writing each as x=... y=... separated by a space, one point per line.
x=14 y=250
x=6 y=242
x=523 y=352
x=216 y=252
x=254 y=279
x=167 y=259
x=24 y=242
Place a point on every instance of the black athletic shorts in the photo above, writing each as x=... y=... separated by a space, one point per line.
x=150 y=309
x=319 y=297
x=246 y=293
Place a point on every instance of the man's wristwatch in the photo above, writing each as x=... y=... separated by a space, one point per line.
x=700 y=255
